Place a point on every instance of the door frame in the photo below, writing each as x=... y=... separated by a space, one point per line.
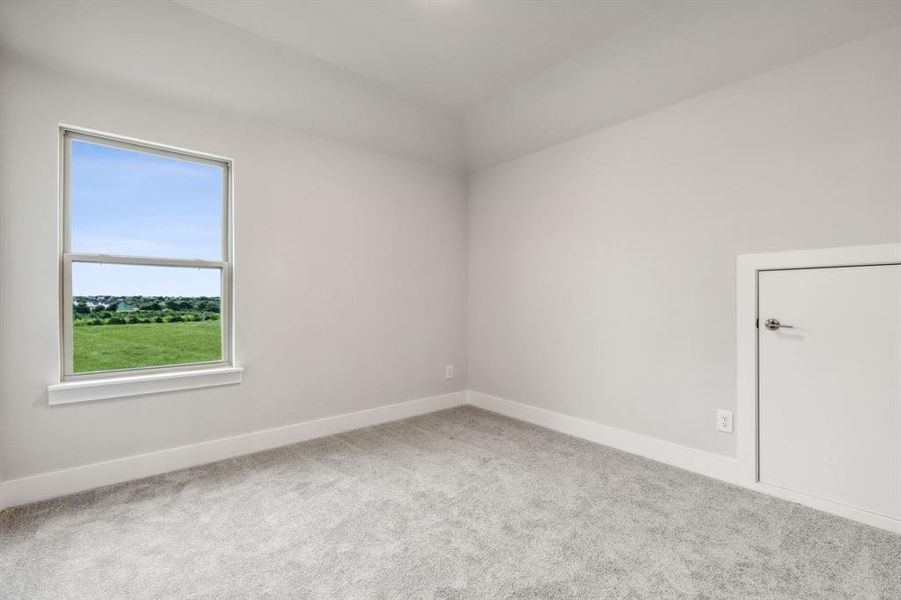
x=748 y=266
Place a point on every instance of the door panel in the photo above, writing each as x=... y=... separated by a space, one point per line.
x=830 y=388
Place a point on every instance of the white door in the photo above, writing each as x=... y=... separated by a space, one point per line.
x=829 y=420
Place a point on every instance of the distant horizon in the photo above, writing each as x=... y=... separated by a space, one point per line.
x=110 y=279
x=137 y=296
x=74 y=298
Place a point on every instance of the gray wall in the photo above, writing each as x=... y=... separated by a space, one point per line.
x=350 y=287
x=602 y=270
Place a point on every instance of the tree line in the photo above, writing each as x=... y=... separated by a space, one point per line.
x=129 y=310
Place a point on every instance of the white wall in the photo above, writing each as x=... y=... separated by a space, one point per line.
x=602 y=270
x=350 y=287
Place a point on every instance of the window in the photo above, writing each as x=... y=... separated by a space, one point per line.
x=146 y=262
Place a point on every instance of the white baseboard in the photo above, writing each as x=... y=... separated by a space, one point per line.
x=690 y=459
x=68 y=481
x=712 y=465
x=835 y=508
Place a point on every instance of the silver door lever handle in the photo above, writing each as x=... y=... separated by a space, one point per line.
x=774 y=324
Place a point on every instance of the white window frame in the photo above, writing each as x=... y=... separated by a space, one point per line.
x=72 y=385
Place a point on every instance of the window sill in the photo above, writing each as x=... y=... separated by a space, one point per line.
x=136 y=385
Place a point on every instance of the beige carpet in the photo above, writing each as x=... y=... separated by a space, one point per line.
x=457 y=504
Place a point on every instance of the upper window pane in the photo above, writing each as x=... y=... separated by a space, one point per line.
x=133 y=203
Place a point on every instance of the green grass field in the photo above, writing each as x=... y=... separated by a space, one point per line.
x=107 y=347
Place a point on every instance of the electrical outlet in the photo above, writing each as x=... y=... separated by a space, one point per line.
x=449 y=372
x=724 y=421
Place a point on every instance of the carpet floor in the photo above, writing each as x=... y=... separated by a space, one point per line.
x=458 y=504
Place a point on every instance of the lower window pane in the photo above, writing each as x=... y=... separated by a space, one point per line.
x=135 y=316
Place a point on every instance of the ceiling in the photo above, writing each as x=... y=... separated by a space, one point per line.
x=457 y=84
x=455 y=53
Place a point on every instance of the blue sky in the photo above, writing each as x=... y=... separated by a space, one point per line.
x=140 y=204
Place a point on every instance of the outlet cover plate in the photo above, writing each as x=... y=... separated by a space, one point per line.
x=724 y=421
